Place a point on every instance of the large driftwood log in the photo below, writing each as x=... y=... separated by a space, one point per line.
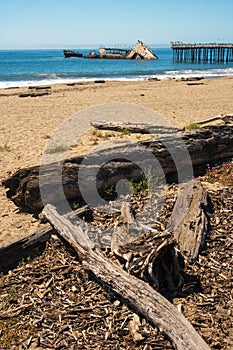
x=189 y=229
x=204 y=145
x=134 y=292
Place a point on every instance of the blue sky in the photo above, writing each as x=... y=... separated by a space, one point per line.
x=75 y=23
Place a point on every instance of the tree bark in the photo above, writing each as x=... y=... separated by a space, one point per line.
x=204 y=145
x=134 y=292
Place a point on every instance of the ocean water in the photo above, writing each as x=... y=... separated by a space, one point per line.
x=38 y=67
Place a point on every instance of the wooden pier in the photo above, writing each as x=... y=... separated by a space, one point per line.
x=202 y=53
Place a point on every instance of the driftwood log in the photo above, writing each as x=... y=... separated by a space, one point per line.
x=134 y=292
x=129 y=127
x=42 y=87
x=204 y=145
x=189 y=229
x=34 y=94
x=150 y=129
x=147 y=253
x=32 y=245
x=129 y=243
x=226 y=118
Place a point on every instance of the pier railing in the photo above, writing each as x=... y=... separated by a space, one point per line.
x=202 y=53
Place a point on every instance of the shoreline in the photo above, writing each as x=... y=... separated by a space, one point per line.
x=28 y=122
x=169 y=75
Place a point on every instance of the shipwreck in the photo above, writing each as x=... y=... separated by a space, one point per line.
x=139 y=52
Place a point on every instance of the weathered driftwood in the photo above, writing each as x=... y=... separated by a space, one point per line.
x=226 y=118
x=42 y=87
x=192 y=84
x=134 y=292
x=32 y=245
x=204 y=145
x=34 y=94
x=139 y=128
x=189 y=230
x=147 y=253
x=150 y=129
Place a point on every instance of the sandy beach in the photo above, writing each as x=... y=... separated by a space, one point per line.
x=27 y=123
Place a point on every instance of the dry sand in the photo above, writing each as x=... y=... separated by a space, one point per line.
x=27 y=123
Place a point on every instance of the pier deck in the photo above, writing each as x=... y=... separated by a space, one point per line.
x=202 y=53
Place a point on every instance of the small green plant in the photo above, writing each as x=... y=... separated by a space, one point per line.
x=57 y=149
x=148 y=182
x=193 y=126
x=46 y=137
x=74 y=205
x=110 y=193
x=126 y=131
x=141 y=186
x=5 y=147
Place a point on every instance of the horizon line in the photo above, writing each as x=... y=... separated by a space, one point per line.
x=78 y=46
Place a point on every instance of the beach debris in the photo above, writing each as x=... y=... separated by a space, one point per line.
x=152 y=306
x=99 y=81
x=225 y=118
x=87 y=317
x=190 y=230
x=154 y=79
x=193 y=84
x=34 y=244
x=138 y=128
x=59 y=299
x=34 y=94
x=40 y=87
x=23 y=185
x=190 y=79
x=134 y=328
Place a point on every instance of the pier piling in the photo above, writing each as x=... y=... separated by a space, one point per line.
x=202 y=53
